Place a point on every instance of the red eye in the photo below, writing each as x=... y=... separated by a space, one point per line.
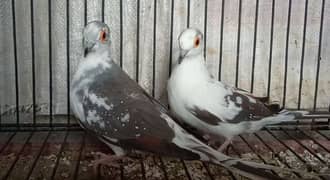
x=103 y=36
x=197 y=41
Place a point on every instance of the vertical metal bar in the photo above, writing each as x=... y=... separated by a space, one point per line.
x=7 y=142
x=205 y=27
x=154 y=51
x=75 y=175
x=254 y=44
x=50 y=63
x=38 y=156
x=17 y=157
x=85 y=12
x=238 y=40
x=328 y=119
x=171 y=39
x=208 y=170
x=271 y=48
x=302 y=54
x=0 y=117
x=286 y=52
x=221 y=38
x=137 y=40
x=102 y=10
x=186 y=169
x=121 y=32
x=68 y=59
x=163 y=166
x=318 y=60
x=58 y=156
x=121 y=172
x=143 y=171
x=15 y=63
x=33 y=65
x=188 y=13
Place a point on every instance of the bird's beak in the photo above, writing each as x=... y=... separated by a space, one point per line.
x=85 y=52
x=183 y=53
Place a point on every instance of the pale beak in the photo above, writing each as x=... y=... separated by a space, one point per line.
x=183 y=54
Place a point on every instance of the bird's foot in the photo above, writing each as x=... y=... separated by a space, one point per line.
x=110 y=160
x=224 y=145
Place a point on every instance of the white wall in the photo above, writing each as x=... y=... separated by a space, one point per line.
x=237 y=50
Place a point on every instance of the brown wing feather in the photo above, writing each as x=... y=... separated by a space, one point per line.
x=145 y=129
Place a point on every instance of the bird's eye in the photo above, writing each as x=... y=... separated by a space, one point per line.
x=103 y=36
x=196 y=43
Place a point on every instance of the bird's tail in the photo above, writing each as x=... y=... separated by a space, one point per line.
x=290 y=116
x=305 y=114
x=250 y=169
x=247 y=169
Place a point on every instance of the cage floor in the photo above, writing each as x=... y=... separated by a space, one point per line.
x=68 y=155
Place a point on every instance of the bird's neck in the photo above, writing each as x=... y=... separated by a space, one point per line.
x=102 y=49
x=195 y=67
x=192 y=71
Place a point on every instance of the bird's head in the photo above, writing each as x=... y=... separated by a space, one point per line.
x=96 y=36
x=190 y=42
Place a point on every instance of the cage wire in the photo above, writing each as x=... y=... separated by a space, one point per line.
x=273 y=48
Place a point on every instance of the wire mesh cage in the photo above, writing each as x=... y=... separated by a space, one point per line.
x=272 y=48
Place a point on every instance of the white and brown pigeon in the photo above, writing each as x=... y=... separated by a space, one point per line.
x=213 y=108
x=114 y=108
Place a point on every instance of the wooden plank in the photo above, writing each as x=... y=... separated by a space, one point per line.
x=278 y=56
x=112 y=18
x=41 y=53
x=129 y=37
x=59 y=59
x=7 y=93
x=180 y=12
x=94 y=10
x=163 y=40
x=294 y=53
x=311 y=52
x=24 y=62
x=246 y=47
x=76 y=25
x=324 y=78
x=197 y=13
x=213 y=36
x=146 y=31
x=229 y=42
x=262 y=48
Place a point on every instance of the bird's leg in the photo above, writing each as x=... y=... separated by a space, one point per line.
x=108 y=160
x=225 y=144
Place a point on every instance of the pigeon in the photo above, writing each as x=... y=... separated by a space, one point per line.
x=116 y=110
x=214 y=108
